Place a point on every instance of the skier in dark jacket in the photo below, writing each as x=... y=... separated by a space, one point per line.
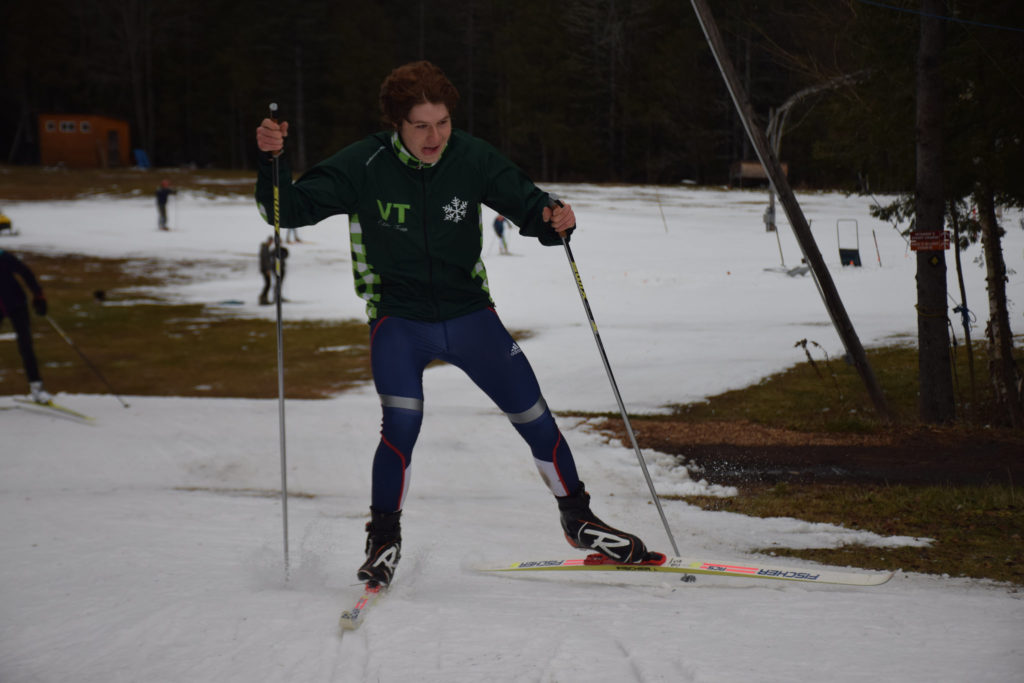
x=267 y=268
x=162 y=193
x=499 y=230
x=413 y=194
x=14 y=305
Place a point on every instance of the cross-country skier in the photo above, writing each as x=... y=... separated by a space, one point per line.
x=267 y=268
x=14 y=305
x=162 y=193
x=499 y=230
x=413 y=194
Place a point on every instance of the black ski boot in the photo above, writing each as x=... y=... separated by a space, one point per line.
x=585 y=531
x=383 y=547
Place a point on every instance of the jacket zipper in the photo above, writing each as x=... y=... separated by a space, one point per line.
x=426 y=247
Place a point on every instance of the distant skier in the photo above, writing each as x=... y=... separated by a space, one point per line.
x=414 y=193
x=14 y=305
x=499 y=230
x=162 y=193
x=267 y=268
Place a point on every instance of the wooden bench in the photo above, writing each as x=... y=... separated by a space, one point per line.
x=750 y=170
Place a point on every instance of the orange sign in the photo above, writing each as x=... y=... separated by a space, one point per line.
x=935 y=240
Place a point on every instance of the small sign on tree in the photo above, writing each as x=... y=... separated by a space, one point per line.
x=933 y=240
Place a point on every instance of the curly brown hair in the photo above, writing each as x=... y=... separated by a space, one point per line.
x=412 y=84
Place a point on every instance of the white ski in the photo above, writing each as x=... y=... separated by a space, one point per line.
x=680 y=565
x=351 y=619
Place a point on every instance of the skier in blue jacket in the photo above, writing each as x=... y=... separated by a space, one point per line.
x=413 y=194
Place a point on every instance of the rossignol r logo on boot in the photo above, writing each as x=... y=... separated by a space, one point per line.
x=605 y=543
x=388 y=558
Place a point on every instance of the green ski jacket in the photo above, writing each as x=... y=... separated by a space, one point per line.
x=415 y=229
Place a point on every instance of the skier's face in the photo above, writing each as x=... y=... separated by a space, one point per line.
x=425 y=131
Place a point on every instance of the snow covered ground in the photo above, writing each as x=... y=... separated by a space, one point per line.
x=148 y=547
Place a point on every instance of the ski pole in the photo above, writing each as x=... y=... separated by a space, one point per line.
x=615 y=387
x=280 y=346
x=92 y=366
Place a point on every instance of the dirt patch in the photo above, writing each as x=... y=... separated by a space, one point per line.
x=737 y=452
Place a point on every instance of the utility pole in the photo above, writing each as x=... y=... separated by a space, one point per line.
x=802 y=230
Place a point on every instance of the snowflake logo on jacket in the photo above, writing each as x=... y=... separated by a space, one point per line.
x=455 y=210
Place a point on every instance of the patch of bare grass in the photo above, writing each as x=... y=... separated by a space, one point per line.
x=153 y=348
x=38 y=183
x=976 y=531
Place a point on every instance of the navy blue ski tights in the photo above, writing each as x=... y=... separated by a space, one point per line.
x=480 y=346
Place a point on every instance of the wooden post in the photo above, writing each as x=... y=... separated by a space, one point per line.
x=802 y=230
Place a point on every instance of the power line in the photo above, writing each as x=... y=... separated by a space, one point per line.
x=941 y=16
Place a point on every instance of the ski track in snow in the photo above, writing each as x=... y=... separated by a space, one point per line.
x=148 y=547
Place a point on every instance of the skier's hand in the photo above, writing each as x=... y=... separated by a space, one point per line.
x=560 y=217
x=270 y=136
x=39 y=305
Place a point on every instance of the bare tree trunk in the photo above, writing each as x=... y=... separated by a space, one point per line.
x=1004 y=373
x=133 y=24
x=234 y=138
x=614 y=36
x=300 y=112
x=422 y=34
x=936 y=401
x=135 y=27
x=148 y=84
x=964 y=313
x=23 y=117
x=470 y=92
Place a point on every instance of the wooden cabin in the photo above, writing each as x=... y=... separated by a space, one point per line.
x=83 y=141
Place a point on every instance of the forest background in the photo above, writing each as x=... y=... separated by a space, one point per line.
x=581 y=90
